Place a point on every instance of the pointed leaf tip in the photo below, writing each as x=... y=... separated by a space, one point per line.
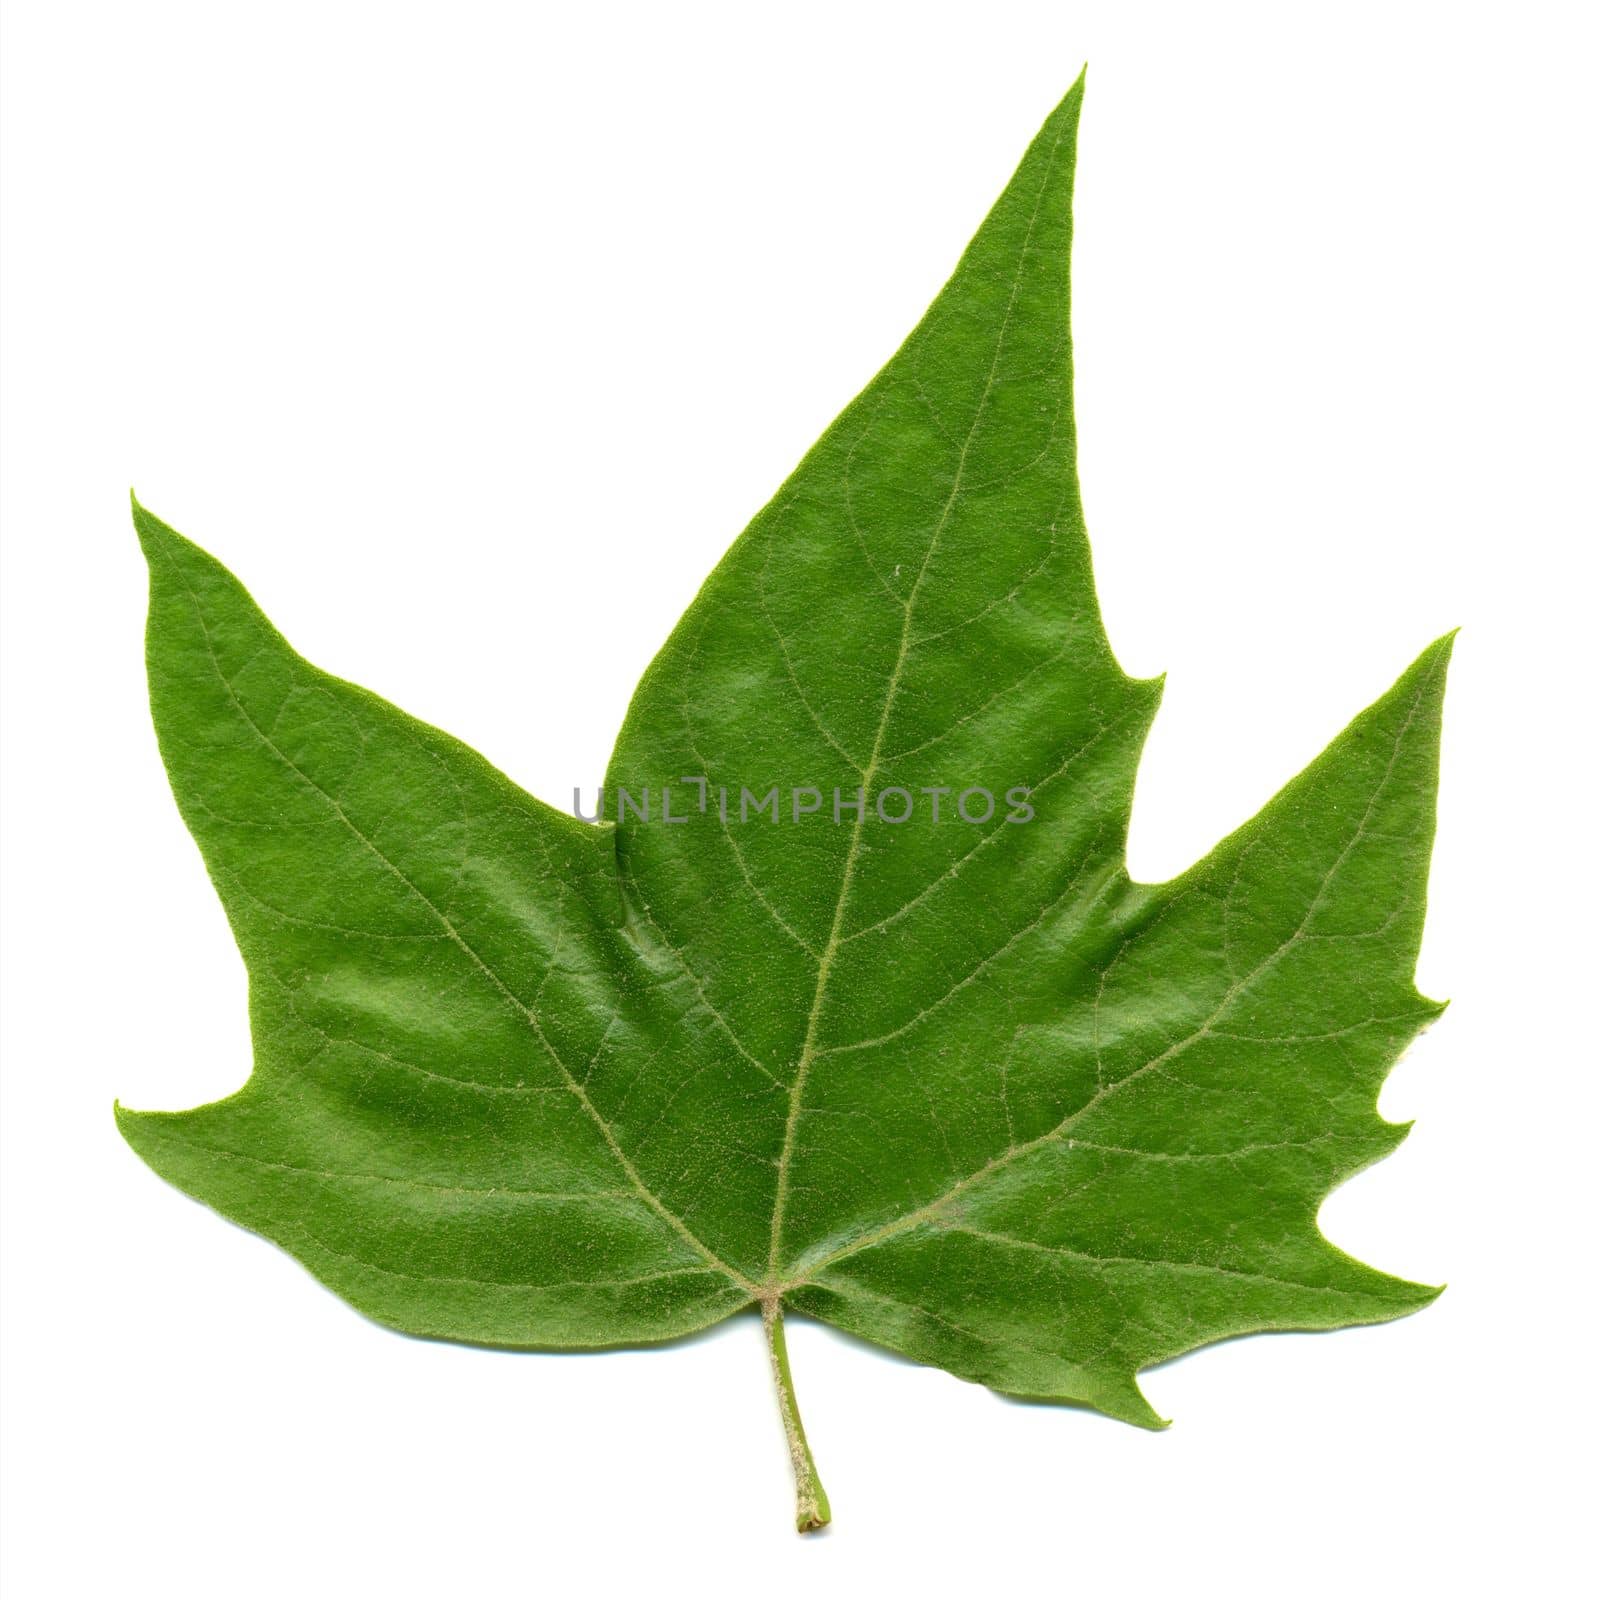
x=150 y=528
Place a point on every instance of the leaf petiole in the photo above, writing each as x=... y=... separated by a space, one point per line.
x=810 y=1498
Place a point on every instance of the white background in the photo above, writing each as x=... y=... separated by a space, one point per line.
x=469 y=336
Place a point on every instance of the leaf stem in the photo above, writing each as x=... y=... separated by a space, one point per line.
x=810 y=1498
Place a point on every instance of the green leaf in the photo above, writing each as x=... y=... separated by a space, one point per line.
x=958 y=1086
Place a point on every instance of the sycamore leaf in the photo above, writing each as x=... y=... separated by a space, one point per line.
x=865 y=1019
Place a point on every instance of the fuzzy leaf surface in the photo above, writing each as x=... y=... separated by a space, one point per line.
x=959 y=1087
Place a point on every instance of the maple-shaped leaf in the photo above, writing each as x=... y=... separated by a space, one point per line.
x=866 y=1018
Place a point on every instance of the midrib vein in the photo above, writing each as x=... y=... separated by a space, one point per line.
x=574 y=1086
x=808 y=1048
x=1053 y=1135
